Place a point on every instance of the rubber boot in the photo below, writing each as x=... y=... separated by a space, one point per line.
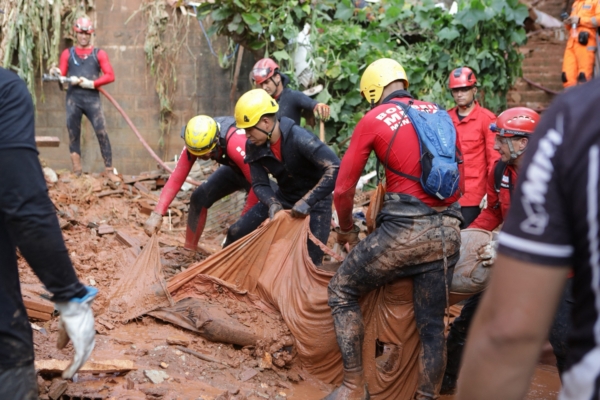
x=115 y=180
x=353 y=386
x=192 y=236
x=76 y=161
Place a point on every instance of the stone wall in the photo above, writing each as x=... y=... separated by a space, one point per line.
x=202 y=88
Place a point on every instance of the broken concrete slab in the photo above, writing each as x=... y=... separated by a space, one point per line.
x=248 y=374
x=105 y=229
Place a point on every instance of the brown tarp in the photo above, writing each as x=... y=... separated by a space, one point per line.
x=271 y=269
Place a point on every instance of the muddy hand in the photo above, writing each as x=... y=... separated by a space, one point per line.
x=77 y=324
x=350 y=237
x=322 y=111
x=153 y=223
x=301 y=209
x=274 y=209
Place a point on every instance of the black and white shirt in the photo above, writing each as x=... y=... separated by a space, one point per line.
x=554 y=220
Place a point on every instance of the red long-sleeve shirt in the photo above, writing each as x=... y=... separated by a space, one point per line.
x=107 y=69
x=374 y=133
x=477 y=145
x=498 y=202
x=236 y=146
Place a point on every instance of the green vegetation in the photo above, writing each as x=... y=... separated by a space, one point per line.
x=425 y=39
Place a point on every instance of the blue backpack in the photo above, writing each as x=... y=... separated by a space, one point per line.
x=437 y=139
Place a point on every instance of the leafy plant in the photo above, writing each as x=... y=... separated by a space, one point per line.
x=425 y=39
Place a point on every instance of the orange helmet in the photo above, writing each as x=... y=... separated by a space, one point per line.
x=462 y=77
x=263 y=70
x=517 y=121
x=83 y=25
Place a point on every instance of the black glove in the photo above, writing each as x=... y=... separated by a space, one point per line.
x=301 y=209
x=274 y=209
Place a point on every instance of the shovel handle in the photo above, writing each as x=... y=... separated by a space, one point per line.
x=322 y=130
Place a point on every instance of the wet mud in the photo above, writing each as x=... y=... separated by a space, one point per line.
x=191 y=366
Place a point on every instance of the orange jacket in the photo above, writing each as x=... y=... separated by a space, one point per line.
x=588 y=12
x=477 y=145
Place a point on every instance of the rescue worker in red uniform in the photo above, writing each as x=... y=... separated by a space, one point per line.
x=512 y=129
x=472 y=123
x=86 y=62
x=417 y=234
x=266 y=75
x=206 y=138
x=582 y=25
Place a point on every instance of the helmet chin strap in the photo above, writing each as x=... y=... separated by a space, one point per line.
x=513 y=154
x=269 y=134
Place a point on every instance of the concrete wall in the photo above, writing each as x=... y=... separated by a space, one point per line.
x=202 y=88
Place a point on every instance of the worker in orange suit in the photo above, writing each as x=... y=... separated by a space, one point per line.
x=578 y=64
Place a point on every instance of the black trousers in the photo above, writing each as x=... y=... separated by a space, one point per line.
x=88 y=104
x=559 y=331
x=320 y=224
x=18 y=383
x=469 y=214
x=400 y=247
x=223 y=182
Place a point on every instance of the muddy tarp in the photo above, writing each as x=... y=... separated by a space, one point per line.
x=271 y=269
x=140 y=288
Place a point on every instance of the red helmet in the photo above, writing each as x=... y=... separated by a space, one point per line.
x=517 y=121
x=263 y=70
x=83 y=25
x=462 y=77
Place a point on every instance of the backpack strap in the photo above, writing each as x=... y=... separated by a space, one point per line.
x=499 y=170
x=405 y=108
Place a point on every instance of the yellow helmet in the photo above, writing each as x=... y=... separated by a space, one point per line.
x=378 y=75
x=201 y=135
x=253 y=105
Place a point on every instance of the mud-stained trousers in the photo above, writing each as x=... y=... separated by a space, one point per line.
x=559 y=332
x=320 y=224
x=88 y=104
x=409 y=242
x=223 y=182
x=19 y=383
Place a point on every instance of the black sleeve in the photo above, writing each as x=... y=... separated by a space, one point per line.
x=304 y=102
x=26 y=209
x=319 y=154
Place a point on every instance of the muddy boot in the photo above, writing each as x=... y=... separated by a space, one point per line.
x=353 y=387
x=192 y=236
x=424 y=396
x=114 y=180
x=76 y=161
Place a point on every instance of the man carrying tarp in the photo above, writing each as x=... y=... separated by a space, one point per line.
x=206 y=138
x=28 y=222
x=417 y=233
x=304 y=167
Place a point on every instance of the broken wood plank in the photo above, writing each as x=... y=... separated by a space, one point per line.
x=137 y=178
x=94 y=367
x=57 y=389
x=145 y=207
x=202 y=356
x=144 y=191
x=42 y=316
x=110 y=192
x=41 y=305
x=127 y=240
x=47 y=141
x=105 y=229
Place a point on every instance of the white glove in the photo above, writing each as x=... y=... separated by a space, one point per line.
x=73 y=80
x=487 y=254
x=55 y=71
x=77 y=324
x=86 y=83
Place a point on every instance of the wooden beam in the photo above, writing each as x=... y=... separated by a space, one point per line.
x=47 y=141
x=94 y=367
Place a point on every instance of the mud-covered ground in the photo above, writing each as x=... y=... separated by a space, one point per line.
x=85 y=206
